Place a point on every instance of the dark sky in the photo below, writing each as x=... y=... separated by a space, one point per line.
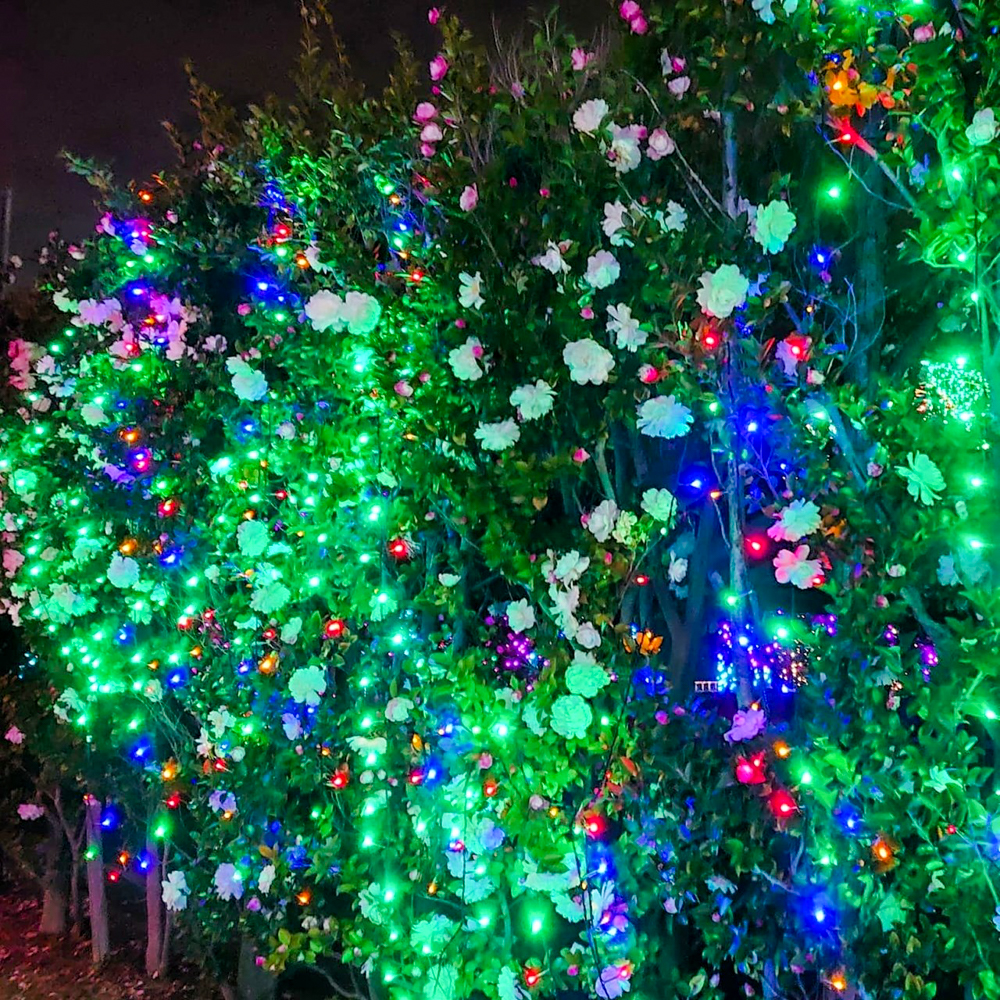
x=98 y=77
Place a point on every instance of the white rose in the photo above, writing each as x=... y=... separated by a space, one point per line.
x=722 y=291
x=661 y=505
x=464 y=360
x=588 y=117
x=533 y=401
x=984 y=127
x=772 y=225
x=247 y=382
x=664 y=417
x=588 y=636
x=123 y=572
x=520 y=616
x=588 y=361
x=602 y=269
x=498 y=436
x=601 y=521
x=629 y=336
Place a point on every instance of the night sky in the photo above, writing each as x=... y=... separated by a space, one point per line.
x=99 y=76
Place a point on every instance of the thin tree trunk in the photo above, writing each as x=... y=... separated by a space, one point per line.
x=53 y=887
x=154 y=910
x=100 y=943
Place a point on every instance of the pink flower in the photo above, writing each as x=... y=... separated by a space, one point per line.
x=679 y=86
x=12 y=561
x=427 y=149
x=746 y=725
x=924 y=33
x=424 y=112
x=580 y=59
x=438 y=68
x=629 y=9
x=648 y=374
x=517 y=90
x=587 y=313
x=795 y=567
x=639 y=25
x=875 y=470
x=581 y=455
x=660 y=144
x=14 y=735
x=433 y=15
x=244 y=308
x=469 y=198
x=403 y=388
x=544 y=192
x=431 y=132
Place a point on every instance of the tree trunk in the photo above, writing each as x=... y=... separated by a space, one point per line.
x=53 y=886
x=100 y=944
x=154 y=911
x=252 y=981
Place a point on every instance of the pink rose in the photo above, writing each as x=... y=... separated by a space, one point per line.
x=431 y=132
x=433 y=15
x=679 y=86
x=580 y=59
x=438 y=68
x=403 y=388
x=875 y=470
x=924 y=33
x=427 y=149
x=587 y=313
x=581 y=455
x=244 y=308
x=660 y=144
x=424 y=112
x=629 y=9
x=639 y=25
x=469 y=198
x=648 y=374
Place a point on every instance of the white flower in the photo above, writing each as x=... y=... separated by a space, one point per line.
x=611 y=984
x=520 y=616
x=677 y=569
x=984 y=127
x=470 y=292
x=28 y=811
x=174 y=891
x=624 y=154
x=398 y=709
x=123 y=572
x=228 y=882
x=360 y=312
x=588 y=636
x=307 y=684
x=664 y=417
x=499 y=436
x=624 y=528
x=508 y=987
x=675 y=219
x=247 y=382
x=588 y=117
x=602 y=269
x=772 y=225
x=629 y=335
x=552 y=259
x=796 y=567
x=584 y=676
x=588 y=361
x=601 y=520
x=252 y=537
x=93 y=415
x=266 y=878
x=722 y=291
x=291 y=725
x=679 y=86
x=571 y=716
x=798 y=519
x=448 y=579
x=661 y=505
x=614 y=218
x=464 y=360
x=923 y=478
x=896 y=570
x=533 y=401
x=324 y=310
x=946 y=574
x=270 y=597
x=220 y=720
x=290 y=630
x=570 y=567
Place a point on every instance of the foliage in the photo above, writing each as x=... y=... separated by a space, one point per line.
x=405 y=462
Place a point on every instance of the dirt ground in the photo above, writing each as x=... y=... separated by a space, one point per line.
x=33 y=967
